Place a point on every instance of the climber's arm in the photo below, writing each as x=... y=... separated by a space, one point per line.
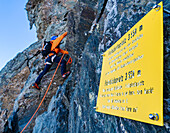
x=63 y=51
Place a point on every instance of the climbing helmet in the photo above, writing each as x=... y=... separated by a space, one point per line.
x=54 y=37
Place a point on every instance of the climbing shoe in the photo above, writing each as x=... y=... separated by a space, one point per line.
x=65 y=75
x=36 y=86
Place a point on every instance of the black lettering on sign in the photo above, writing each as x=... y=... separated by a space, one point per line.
x=131 y=92
x=139 y=73
x=117 y=94
x=114 y=80
x=128 y=109
x=122 y=108
x=129 y=75
x=117 y=47
x=134 y=84
x=132 y=34
x=123 y=100
x=135 y=109
x=141 y=27
x=148 y=91
x=117 y=100
x=126 y=93
x=108 y=107
x=139 y=92
x=115 y=107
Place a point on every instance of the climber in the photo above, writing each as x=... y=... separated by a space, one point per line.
x=50 y=50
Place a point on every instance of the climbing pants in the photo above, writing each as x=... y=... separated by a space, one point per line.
x=49 y=61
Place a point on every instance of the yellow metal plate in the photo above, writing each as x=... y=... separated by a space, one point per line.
x=131 y=84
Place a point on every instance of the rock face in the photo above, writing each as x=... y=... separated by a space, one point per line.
x=69 y=106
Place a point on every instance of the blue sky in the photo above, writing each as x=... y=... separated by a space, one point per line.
x=15 y=33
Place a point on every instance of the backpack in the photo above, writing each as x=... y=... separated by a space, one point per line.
x=46 y=49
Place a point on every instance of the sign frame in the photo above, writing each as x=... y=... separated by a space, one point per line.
x=131 y=84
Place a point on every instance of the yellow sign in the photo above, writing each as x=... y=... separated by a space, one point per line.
x=131 y=84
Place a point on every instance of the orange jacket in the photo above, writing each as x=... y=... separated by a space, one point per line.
x=56 y=42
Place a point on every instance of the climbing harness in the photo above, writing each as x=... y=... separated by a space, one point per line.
x=44 y=95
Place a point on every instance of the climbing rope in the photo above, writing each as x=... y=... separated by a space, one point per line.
x=44 y=95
